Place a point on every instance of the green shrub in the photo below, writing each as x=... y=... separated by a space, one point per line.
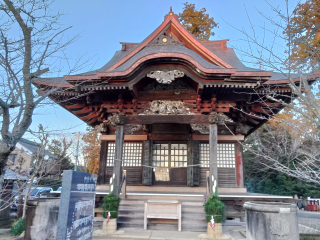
x=18 y=226
x=214 y=207
x=110 y=204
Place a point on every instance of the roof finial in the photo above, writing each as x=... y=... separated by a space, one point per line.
x=170 y=9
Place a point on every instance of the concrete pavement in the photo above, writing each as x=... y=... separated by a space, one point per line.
x=230 y=233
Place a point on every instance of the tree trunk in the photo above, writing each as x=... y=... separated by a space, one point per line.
x=26 y=197
x=4 y=153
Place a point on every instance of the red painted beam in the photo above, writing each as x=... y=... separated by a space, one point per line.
x=239 y=165
x=75 y=106
x=91 y=115
x=82 y=111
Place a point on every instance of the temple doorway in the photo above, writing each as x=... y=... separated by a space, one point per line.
x=169 y=162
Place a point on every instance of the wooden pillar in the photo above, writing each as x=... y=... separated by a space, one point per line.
x=239 y=165
x=117 y=165
x=102 y=162
x=213 y=153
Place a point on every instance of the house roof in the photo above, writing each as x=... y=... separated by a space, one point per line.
x=12 y=175
x=33 y=147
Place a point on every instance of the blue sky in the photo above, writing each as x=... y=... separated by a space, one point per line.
x=102 y=24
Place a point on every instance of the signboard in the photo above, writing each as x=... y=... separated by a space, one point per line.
x=77 y=203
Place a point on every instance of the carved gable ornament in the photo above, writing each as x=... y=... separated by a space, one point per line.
x=165 y=77
x=164 y=39
x=160 y=107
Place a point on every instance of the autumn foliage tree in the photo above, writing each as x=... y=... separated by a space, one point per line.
x=279 y=152
x=304 y=33
x=91 y=150
x=198 y=22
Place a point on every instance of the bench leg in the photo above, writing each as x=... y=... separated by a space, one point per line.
x=179 y=220
x=145 y=217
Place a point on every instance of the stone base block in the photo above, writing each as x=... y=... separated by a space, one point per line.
x=215 y=232
x=109 y=226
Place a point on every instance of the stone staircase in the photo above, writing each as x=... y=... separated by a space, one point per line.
x=131 y=212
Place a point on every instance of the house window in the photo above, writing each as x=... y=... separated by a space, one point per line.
x=226 y=155
x=132 y=154
x=13 y=158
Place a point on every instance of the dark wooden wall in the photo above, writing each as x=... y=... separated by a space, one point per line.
x=226 y=177
x=134 y=175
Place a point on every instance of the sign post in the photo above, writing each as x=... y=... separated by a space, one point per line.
x=77 y=204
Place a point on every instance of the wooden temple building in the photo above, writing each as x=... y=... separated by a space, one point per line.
x=173 y=112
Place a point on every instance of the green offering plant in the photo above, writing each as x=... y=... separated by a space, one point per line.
x=110 y=204
x=214 y=207
x=18 y=226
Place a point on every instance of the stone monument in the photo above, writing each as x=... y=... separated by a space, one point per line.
x=77 y=202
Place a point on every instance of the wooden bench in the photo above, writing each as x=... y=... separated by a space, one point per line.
x=162 y=209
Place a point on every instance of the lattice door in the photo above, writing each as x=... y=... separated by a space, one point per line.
x=147 y=162
x=193 y=161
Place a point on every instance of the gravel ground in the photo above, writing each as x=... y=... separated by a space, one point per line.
x=310 y=222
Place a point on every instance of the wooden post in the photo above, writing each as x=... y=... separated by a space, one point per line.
x=239 y=165
x=102 y=162
x=213 y=154
x=117 y=165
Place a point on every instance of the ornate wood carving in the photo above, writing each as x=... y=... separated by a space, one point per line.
x=130 y=128
x=202 y=128
x=178 y=86
x=151 y=119
x=218 y=118
x=115 y=120
x=168 y=137
x=165 y=77
x=102 y=128
x=243 y=129
x=159 y=107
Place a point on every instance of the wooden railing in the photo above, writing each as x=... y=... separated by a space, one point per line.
x=123 y=185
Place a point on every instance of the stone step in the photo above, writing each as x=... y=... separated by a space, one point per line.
x=185 y=210
x=163 y=226
x=141 y=201
x=138 y=214
x=165 y=196
x=131 y=212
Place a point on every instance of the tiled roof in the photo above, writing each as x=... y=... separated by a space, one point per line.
x=33 y=147
x=170 y=49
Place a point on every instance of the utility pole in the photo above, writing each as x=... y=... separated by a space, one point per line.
x=77 y=153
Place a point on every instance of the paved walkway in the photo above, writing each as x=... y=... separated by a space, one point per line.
x=230 y=233
x=159 y=235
